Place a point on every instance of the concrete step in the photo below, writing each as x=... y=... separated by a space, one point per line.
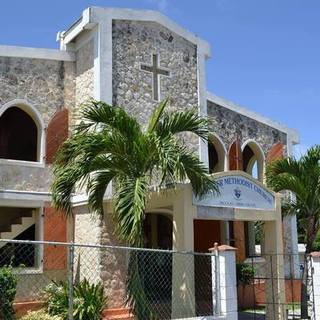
x=118 y=314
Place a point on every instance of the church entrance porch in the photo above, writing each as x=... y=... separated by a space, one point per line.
x=184 y=282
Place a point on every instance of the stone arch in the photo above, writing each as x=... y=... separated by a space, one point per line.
x=253 y=156
x=217 y=154
x=30 y=131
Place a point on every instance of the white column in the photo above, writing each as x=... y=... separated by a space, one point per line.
x=291 y=246
x=224 y=281
x=183 y=288
x=315 y=256
x=275 y=283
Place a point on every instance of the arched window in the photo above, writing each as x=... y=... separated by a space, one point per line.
x=253 y=159
x=217 y=154
x=20 y=133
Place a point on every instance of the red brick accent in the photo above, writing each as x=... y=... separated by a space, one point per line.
x=235 y=156
x=55 y=229
x=255 y=294
x=57 y=133
x=276 y=152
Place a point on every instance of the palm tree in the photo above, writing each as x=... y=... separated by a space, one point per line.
x=302 y=178
x=109 y=145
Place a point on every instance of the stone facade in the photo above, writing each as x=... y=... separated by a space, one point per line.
x=108 y=265
x=84 y=76
x=48 y=86
x=134 y=43
x=230 y=126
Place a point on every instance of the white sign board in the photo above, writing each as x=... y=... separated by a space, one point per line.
x=237 y=191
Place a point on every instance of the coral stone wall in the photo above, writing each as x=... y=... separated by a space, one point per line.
x=108 y=265
x=84 y=80
x=48 y=86
x=134 y=43
x=230 y=126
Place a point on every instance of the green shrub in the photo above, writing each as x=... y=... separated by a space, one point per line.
x=8 y=290
x=39 y=315
x=57 y=299
x=245 y=273
x=88 y=303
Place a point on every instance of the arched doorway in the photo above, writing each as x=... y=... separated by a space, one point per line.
x=217 y=154
x=18 y=135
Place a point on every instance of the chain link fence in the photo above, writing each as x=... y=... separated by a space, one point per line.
x=287 y=276
x=61 y=278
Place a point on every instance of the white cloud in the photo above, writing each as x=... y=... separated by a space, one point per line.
x=300 y=150
x=161 y=5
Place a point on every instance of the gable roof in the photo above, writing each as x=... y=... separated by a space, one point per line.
x=93 y=15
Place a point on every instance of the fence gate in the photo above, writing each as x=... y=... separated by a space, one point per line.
x=259 y=285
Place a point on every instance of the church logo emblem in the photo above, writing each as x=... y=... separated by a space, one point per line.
x=237 y=193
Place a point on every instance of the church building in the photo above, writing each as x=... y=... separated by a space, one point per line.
x=133 y=59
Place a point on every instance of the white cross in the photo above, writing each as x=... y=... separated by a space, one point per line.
x=156 y=71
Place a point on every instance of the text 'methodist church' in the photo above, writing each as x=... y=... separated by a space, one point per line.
x=132 y=59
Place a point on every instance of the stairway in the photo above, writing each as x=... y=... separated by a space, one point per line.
x=16 y=227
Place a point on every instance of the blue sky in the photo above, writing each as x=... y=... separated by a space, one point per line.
x=265 y=54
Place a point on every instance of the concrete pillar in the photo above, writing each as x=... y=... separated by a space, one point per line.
x=315 y=260
x=224 y=282
x=224 y=229
x=275 y=283
x=183 y=288
x=291 y=251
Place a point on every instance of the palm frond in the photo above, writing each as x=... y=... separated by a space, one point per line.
x=130 y=203
x=65 y=181
x=188 y=165
x=99 y=115
x=156 y=115
x=97 y=187
x=290 y=166
x=85 y=145
x=186 y=121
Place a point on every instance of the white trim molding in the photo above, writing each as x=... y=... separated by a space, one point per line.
x=94 y=15
x=24 y=199
x=36 y=53
x=292 y=133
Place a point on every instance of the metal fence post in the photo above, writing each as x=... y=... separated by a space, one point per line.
x=70 y=280
x=217 y=277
